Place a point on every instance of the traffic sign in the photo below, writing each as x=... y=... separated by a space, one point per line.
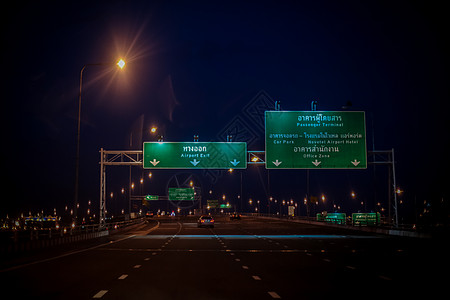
x=336 y=218
x=152 y=197
x=370 y=219
x=213 y=203
x=181 y=194
x=195 y=155
x=315 y=140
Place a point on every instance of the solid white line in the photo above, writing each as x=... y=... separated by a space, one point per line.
x=274 y=295
x=100 y=294
x=151 y=229
x=123 y=277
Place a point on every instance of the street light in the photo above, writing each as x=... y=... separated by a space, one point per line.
x=121 y=65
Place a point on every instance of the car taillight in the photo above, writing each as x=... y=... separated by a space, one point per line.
x=202 y=221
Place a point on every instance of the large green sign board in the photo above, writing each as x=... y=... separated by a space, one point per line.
x=181 y=194
x=195 y=155
x=315 y=140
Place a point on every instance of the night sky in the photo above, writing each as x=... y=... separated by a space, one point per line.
x=192 y=68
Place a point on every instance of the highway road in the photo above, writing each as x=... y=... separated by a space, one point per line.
x=240 y=259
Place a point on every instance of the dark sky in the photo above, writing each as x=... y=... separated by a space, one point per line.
x=193 y=66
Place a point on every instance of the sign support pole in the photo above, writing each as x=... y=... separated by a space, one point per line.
x=395 y=190
x=102 y=221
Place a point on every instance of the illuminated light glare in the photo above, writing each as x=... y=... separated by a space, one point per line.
x=121 y=63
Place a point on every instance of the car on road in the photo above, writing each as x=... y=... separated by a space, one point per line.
x=205 y=221
x=235 y=216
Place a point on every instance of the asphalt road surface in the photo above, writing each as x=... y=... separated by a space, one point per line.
x=240 y=259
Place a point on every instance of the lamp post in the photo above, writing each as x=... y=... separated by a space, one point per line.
x=121 y=65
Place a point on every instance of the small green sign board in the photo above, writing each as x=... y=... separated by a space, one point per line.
x=151 y=197
x=181 y=194
x=315 y=140
x=213 y=203
x=335 y=218
x=366 y=219
x=195 y=155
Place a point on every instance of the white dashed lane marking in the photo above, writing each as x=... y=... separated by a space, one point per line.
x=123 y=277
x=100 y=294
x=274 y=295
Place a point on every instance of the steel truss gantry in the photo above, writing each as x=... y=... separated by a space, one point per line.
x=135 y=158
x=114 y=158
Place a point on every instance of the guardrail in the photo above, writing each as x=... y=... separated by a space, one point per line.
x=25 y=240
x=382 y=228
x=349 y=222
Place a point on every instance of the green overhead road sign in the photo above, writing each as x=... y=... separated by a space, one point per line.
x=195 y=155
x=152 y=197
x=315 y=140
x=181 y=194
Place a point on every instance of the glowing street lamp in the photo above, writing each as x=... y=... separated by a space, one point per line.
x=120 y=64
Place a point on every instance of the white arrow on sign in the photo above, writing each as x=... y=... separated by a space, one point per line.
x=316 y=163
x=277 y=163
x=235 y=162
x=154 y=162
x=195 y=162
x=355 y=162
